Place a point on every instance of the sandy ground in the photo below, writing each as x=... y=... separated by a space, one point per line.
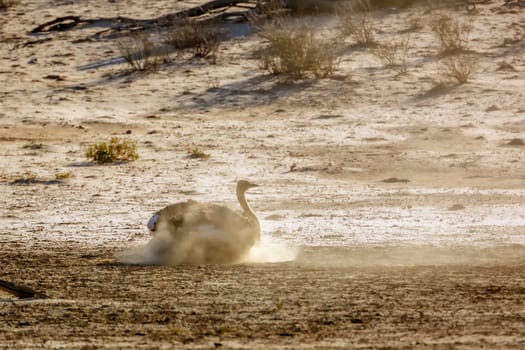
x=405 y=202
x=321 y=300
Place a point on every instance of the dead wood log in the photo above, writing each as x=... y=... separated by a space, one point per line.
x=214 y=12
x=516 y=3
x=60 y=24
x=215 y=9
x=19 y=290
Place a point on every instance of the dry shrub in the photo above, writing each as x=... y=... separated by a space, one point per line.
x=270 y=10
x=27 y=177
x=139 y=52
x=353 y=20
x=197 y=153
x=297 y=52
x=414 y=23
x=115 y=150
x=399 y=4
x=393 y=56
x=5 y=4
x=310 y=7
x=31 y=178
x=63 y=175
x=459 y=68
x=452 y=34
x=202 y=40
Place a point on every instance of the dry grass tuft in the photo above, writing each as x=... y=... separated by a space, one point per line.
x=31 y=178
x=139 y=52
x=394 y=56
x=353 y=20
x=63 y=175
x=459 y=68
x=27 y=177
x=114 y=150
x=451 y=33
x=202 y=40
x=297 y=52
x=196 y=153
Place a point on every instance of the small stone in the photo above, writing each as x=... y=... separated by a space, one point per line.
x=516 y=142
x=456 y=207
x=395 y=180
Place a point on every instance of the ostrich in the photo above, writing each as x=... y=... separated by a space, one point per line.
x=199 y=233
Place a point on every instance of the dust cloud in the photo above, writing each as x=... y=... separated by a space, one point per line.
x=152 y=253
x=409 y=255
x=164 y=249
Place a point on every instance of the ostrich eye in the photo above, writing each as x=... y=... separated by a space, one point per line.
x=152 y=223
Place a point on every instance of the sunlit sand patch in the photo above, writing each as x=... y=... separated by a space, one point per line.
x=270 y=252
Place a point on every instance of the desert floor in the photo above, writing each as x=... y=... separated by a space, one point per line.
x=392 y=206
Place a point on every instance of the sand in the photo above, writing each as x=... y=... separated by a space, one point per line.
x=321 y=300
x=402 y=195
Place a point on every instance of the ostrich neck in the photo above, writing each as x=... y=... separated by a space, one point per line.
x=245 y=206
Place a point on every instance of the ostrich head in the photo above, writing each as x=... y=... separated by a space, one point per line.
x=244 y=185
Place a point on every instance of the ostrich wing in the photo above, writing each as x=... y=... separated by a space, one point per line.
x=225 y=219
x=205 y=233
x=204 y=217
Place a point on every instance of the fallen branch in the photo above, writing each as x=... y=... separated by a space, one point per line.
x=517 y=3
x=215 y=10
x=19 y=290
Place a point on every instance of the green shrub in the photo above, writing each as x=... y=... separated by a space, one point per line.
x=115 y=150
